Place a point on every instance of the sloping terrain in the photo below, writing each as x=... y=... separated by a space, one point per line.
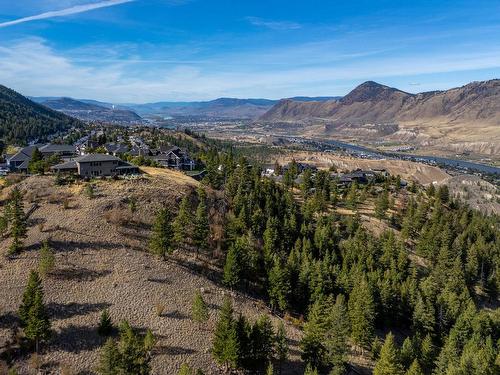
x=467 y=117
x=102 y=262
x=22 y=120
x=91 y=112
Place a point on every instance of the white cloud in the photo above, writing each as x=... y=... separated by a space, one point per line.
x=33 y=68
x=66 y=12
x=274 y=25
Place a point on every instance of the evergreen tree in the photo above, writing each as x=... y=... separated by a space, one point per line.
x=336 y=336
x=362 y=313
x=382 y=204
x=17 y=219
x=161 y=242
x=201 y=230
x=225 y=347
x=199 y=310
x=37 y=325
x=232 y=267
x=33 y=287
x=415 y=369
x=281 y=346
x=109 y=359
x=47 y=260
x=134 y=356
x=310 y=370
x=36 y=164
x=182 y=223
x=407 y=353
x=279 y=286
x=105 y=324
x=270 y=369
x=388 y=363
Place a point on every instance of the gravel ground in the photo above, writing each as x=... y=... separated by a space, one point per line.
x=102 y=264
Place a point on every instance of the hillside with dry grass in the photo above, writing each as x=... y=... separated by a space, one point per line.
x=102 y=263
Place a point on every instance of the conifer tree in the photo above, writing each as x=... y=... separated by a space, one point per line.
x=414 y=369
x=362 y=313
x=47 y=260
x=199 y=310
x=201 y=230
x=17 y=219
x=105 y=324
x=161 y=242
x=109 y=359
x=279 y=286
x=336 y=335
x=134 y=355
x=225 y=347
x=270 y=369
x=281 y=346
x=310 y=370
x=182 y=224
x=232 y=267
x=382 y=204
x=388 y=363
x=37 y=325
x=33 y=287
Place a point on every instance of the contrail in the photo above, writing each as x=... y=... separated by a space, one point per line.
x=66 y=12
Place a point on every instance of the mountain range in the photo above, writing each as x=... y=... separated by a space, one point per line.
x=222 y=108
x=467 y=116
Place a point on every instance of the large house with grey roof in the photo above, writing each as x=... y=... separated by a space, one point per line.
x=20 y=160
x=175 y=157
x=96 y=165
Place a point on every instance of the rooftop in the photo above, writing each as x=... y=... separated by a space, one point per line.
x=96 y=157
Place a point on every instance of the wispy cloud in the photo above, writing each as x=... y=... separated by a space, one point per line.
x=66 y=12
x=274 y=25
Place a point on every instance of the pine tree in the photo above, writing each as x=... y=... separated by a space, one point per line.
x=17 y=219
x=182 y=224
x=37 y=325
x=33 y=287
x=279 y=286
x=185 y=370
x=149 y=342
x=362 y=313
x=407 y=353
x=336 y=335
x=134 y=356
x=415 y=369
x=382 y=204
x=270 y=369
x=310 y=370
x=281 y=346
x=388 y=363
x=201 y=230
x=109 y=359
x=105 y=324
x=225 y=347
x=161 y=242
x=46 y=263
x=232 y=267
x=199 y=310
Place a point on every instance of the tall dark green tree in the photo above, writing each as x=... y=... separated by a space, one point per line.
x=362 y=313
x=161 y=242
x=388 y=363
x=17 y=220
x=37 y=324
x=182 y=224
x=201 y=230
x=33 y=287
x=225 y=346
x=281 y=346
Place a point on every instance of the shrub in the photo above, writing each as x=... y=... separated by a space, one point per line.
x=160 y=309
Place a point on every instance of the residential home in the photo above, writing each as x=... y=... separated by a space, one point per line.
x=96 y=165
x=176 y=158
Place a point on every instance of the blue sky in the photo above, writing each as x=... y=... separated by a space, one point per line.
x=155 y=50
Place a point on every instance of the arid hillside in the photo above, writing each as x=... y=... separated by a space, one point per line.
x=465 y=118
x=100 y=247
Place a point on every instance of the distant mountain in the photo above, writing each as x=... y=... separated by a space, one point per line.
x=468 y=115
x=91 y=110
x=22 y=120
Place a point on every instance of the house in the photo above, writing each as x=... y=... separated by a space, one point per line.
x=20 y=160
x=96 y=165
x=175 y=158
x=63 y=151
x=116 y=149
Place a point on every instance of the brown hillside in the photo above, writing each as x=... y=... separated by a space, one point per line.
x=102 y=263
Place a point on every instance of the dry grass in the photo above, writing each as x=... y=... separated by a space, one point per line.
x=102 y=266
